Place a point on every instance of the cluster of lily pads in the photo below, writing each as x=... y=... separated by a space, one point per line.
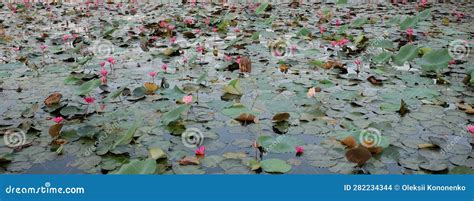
x=271 y=88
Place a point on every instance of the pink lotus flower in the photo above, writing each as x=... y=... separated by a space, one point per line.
x=152 y=74
x=104 y=72
x=293 y=48
x=214 y=29
x=207 y=21
x=338 y=22
x=470 y=128
x=111 y=60
x=200 y=48
x=58 y=120
x=227 y=58
x=189 y=21
x=357 y=61
x=311 y=92
x=299 y=150
x=102 y=63
x=197 y=31
x=89 y=99
x=173 y=40
x=201 y=151
x=43 y=47
x=410 y=32
x=171 y=27
x=141 y=28
x=164 y=67
x=185 y=60
x=103 y=80
x=452 y=62
x=238 y=59
x=321 y=29
x=424 y=2
x=66 y=37
x=188 y=99
x=236 y=30
x=343 y=42
x=334 y=43
x=163 y=24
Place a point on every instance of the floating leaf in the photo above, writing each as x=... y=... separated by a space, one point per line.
x=435 y=60
x=88 y=86
x=174 y=114
x=157 y=153
x=424 y=15
x=359 y=22
x=147 y=166
x=189 y=160
x=358 y=155
x=260 y=9
x=233 y=87
x=55 y=130
x=409 y=22
x=126 y=137
x=407 y=53
x=382 y=57
x=53 y=99
x=281 y=117
x=275 y=166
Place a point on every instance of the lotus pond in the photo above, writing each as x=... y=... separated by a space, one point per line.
x=242 y=89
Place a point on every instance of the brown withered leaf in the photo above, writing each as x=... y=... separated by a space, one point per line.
x=349 y=142
x=247 y=118
x=150 y=87
x=189 y=160
x=284 y=116
x=245 y=65
x=55 y=130
x=375 y=150
x=284 y=68
x=374 y=80
x=403 y=108
x=59 y=142
x=53 y=99
x=358 y=155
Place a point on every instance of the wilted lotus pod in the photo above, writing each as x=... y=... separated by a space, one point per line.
x=53 y=99
x=245 y=65
x=358 y=155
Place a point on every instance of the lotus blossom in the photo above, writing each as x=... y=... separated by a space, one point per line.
x=200 y=48
x=238 y=59
x=340 y=43
x=424 y=2
x=214 y=29
x=185 y=60
x=470 y=128
x=104 y=72
x=321 y=29
x=102 y=63
x=311 y=92
x=58 y=120
x=188 y=99
x=197 y=31
x=201 y=151
x=89 y=99
x=299 y=150
x=357 y=61
x=173 y=40
x=152 y=74
x=293 y=48
x=207 y=21
x=163 y=24
x=189 y=21
x=103 y=80
x=338 y=22
x=43 y=47
x=164 y=67
x=111 y=60
x=236 y=30
x=410 y=32
x=66 y=37
x=452 y=62
x=227 y=58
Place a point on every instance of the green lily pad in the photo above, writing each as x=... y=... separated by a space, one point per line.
x=147 y=166
x=275 y=166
